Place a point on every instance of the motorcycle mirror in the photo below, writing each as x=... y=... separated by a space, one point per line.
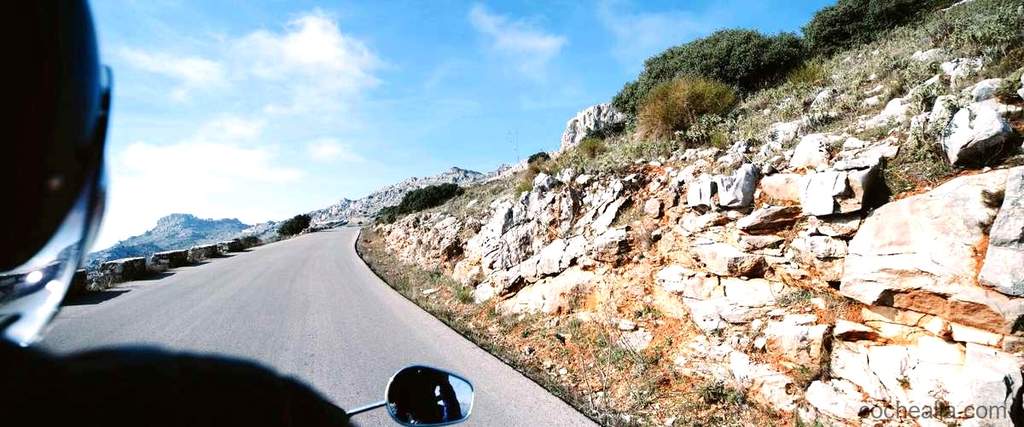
x=425 y=396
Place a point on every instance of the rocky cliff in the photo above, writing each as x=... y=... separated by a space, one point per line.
x=818 y=273
x=361 y=209
x=173 y=231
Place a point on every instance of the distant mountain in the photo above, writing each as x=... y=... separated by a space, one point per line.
x=347 y=210
x=175 y=231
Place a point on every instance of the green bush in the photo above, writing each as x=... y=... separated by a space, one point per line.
x=591 y=147
x=294 y=225
x=679 y=103
x=745 y=59
x=538 y=157
x=250 y=241
x=420 y=199
x=852 y=22
x=811 y=72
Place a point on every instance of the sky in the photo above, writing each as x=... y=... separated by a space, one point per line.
x=259 y=110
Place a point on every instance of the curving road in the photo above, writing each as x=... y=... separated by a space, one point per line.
x=308 y=307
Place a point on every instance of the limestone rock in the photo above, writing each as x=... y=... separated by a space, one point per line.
x=984 y=89
x=688 y=283
x=974 y=133
x=550 y=295
x=701 y=192
x=726 y=260
x=1003 y=268
x=737 y=190
x=811 y=152
x=837 y=398
x=782 y=187
x=595 y=118
x=609 y=245
x=797 y=341
x=769 y=218
x=919 y=253
x=652 y=208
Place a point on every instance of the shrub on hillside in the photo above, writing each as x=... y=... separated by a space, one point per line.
x=679 y=103
x=538 y=157
x=250 y=241
x=852 y=22
x=294 y=225
x=418 y=200
x=745 y=59
x=591 y=147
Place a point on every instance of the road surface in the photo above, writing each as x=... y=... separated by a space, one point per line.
x=310 y=308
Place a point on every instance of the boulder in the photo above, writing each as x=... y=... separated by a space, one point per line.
x=752 y=293
x=768 y=219
x=797 y=340
x=701 y=192
x=594 y=118
x=652 y=208
x=688 y=283
x=1003 y=268
x=942 y=112
x=849 y=361
x=726 y=260
x=960 y=69
x=960 y=376
x=550 y=295
x=835 y=226
x=844 y=189
x=974 y=134
x=837 y=398
x=737 y=190
x=811 y=152
x=921 y=253
x=609 y=245
x=985 y=89
x=550 y=258
x=765 y=384
x=819 y=190
x=896 y=111
x=782 y=187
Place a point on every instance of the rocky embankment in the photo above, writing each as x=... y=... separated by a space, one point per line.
x=815 y=291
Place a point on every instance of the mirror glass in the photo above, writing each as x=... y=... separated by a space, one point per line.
x=423 y=396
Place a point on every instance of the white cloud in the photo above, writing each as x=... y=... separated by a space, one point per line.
x=310 y=65
x=212 y=174
x=530 y=48
x=312 y=61
x=329 y=150
x=191 y=72
x=638 y=35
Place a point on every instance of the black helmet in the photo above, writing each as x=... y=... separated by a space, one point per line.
x=52 y=173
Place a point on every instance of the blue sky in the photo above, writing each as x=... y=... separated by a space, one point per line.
x=263 y=109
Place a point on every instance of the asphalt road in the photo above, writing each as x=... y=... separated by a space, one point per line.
x=308 y=307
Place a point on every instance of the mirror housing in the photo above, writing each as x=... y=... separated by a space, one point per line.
x=425 y=396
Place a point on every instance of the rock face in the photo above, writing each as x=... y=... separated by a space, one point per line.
x=1004 y=262
x=811 y=289
x=922 y=253
x=594 y=118
x=171 y=232
x=974 y=134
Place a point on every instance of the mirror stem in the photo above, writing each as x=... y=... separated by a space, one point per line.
x=362 y=409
